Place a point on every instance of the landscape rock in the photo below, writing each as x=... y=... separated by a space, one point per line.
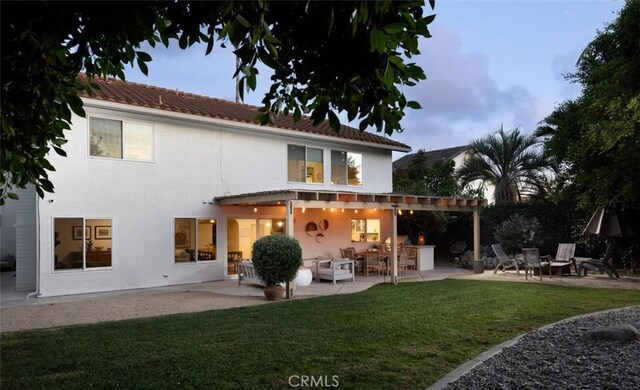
x=624 y=332
x=559 y=357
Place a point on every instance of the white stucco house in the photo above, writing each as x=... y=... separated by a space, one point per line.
x=162 y=187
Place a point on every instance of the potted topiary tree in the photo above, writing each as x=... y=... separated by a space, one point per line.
x=276 y=259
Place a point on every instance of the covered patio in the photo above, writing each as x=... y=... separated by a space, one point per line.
x=323 y=220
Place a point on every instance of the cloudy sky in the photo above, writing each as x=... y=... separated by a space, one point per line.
x=489 y=63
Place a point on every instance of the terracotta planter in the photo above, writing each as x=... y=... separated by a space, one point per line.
x=273 y=293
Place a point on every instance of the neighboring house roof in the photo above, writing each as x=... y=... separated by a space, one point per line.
x=117 y=91
x=432 y=156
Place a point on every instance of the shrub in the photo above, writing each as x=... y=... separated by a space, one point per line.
x=465 y=260
x=277 y=258
x=486 y=254
x=559 y=222
x=518 y=232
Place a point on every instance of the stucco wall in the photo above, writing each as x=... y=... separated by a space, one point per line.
x=193 y=163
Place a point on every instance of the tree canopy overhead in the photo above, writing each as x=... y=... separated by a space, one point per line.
x=327 y=58
x=594 y=139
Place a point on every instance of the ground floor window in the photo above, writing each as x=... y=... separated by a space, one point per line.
x=195 y=239
x=365 y=230
x=242 y=233
x=81 y=243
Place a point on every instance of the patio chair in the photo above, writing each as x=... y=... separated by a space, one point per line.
x=373 y=263
x=504 y=260
x=350 y=253
x=561 y=263
x=565 y=253
x=333 y=270
x=602 y=265
x=532 y=261
x=412 y=258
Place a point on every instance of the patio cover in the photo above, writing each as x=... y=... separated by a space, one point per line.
x=359 y=200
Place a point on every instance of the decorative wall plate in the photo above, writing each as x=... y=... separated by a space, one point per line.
x=319 y=238
x=311 y=228
x=324 y=224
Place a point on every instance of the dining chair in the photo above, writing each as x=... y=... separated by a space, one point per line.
x=373 y=262
x=412 y=258
x=532 y=261
x=350 y=253
x=403 y=263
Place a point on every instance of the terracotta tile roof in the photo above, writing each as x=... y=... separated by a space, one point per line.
x=113 y=90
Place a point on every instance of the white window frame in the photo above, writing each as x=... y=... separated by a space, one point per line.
x=346 y=169
x=366 y=230
x=173 y=247
x=306 y=161
x=84 y=246
x=123 y=120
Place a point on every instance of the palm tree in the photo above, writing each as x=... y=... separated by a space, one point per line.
x=508 y=161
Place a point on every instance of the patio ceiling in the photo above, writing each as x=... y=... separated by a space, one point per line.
x=351 y=200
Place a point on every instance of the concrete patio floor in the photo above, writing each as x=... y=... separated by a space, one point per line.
x=17 y=312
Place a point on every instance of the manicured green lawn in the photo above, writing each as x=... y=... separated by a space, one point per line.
x=405 y=336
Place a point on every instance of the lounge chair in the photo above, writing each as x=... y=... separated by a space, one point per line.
x=504 y=260
x=602 y=265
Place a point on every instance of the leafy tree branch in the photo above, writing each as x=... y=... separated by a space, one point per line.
x=327 y=57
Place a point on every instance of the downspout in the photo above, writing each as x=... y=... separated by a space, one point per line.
x=38 y=243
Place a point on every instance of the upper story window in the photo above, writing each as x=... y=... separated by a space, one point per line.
x=304 y=165
x=120 y=139
x=346 y=168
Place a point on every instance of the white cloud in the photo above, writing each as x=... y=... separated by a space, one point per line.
x=460 y=100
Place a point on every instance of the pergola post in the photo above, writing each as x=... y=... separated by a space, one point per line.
x=394 y=244
x=288 y=219
x=288 y=223
x=476 y=234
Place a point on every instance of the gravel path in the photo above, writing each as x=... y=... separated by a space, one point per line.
x=558 y=357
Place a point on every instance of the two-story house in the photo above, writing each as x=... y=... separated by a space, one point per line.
x=162 y=187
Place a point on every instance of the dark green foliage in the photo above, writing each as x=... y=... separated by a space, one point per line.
x=594 y=139
x=277 y=258
x=425 y=177
x=559 y=223
x=518 y=232
x=432 y=223
x=328 y=57
x=508 y=161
